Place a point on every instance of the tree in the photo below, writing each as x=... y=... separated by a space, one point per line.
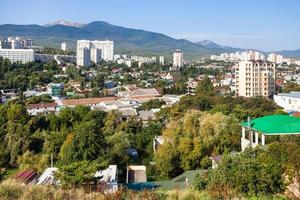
x=77 y=173
x=192 y=138
x=84 y=144
x=254 y=172
x=204 y=87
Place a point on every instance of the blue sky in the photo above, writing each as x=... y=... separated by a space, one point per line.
x=258 y=24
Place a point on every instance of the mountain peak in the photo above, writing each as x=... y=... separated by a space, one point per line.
x=209 y=43
x=66 y=23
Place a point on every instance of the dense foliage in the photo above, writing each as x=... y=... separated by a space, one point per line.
x=190 y=140
x=26 y=76
x=75 y=135
x=254 y=172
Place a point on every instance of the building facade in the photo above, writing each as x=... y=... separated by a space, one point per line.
x=65 y=46
x=290 y=102
x=16 y=43
x=94 y=51
x=255 y=78
x=178 y=59
x=18 y=55
x=161 y=60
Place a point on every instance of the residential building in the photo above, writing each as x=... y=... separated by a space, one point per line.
x=161 y=60
x=276 y=58
x=65 y=46
x=41 y=108
x=170 y=99
x=177 y=59
x=146 y=116
x=86 y=101
x=55 y=89
x=255 y=78
x=143 y=60
x=83 y=53
x=290 y=102
x=18 y=55
x=94 y=51
x=16 y=43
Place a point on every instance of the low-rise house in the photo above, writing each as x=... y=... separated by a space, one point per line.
x=171 y=99
x=191 y=86
x=290 y=102
x=41 y=108
x=86 y=101
x=126 y=108
x=146 y=116
x=139 y=94
x=55 y=89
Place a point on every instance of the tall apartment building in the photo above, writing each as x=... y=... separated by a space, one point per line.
x=255 y=78
x=94 y=51
x=65 y=46
x=16 y=43
x=161 y=60
x=273 y=57
x=177 y=59
x=18 y=55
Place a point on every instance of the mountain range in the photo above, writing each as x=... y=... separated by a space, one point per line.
x=127 y=40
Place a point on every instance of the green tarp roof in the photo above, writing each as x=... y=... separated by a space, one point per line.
x=178 y=182
x=275 y=125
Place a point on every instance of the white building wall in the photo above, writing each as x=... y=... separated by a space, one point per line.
x=288 y=103
x=178 y=59
x=18 y=55
x=98 y=50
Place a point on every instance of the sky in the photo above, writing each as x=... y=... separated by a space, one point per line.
x=257 y=24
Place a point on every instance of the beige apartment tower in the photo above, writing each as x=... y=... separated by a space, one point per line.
x=255 y=78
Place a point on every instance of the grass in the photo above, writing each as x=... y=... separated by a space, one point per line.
x=12 y=190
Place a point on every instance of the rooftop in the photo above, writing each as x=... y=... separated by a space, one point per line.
x=293 y=94
x=41 y=105
x=86 y=101
x=275 y=125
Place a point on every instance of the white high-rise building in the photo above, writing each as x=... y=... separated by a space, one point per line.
x=177 y=59
x=96 y=55
x=273 y=57
x=161 y=60
x=65 y=46
x=106 y=47
x=18 y=55
x=255 y=78
x=98 y=50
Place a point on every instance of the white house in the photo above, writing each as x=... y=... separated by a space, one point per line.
x=290 y=102
x=41 y=108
